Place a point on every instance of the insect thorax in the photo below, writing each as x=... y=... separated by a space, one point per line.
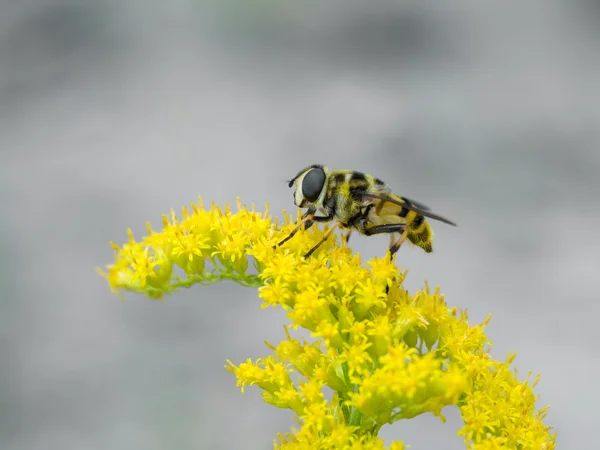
x=340 y=198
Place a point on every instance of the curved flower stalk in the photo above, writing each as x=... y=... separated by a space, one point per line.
x=379 y=354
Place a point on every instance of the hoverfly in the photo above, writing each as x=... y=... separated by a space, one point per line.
x=360 y=202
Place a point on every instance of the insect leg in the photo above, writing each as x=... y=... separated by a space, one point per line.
x=323 y=218
x=327 y=234
x=308 y=220
x=388 y=228
x=394 y=248
x=348 y=235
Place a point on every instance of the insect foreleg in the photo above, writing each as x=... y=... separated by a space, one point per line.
x=307 y=221
x=327 y=234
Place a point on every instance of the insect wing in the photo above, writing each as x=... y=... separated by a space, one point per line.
x=399 y=201
x=419 y=205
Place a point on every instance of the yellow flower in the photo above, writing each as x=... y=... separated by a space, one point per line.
x=378 y=354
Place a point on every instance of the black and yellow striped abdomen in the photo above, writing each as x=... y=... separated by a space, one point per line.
x=420 y=233
x=419 y=230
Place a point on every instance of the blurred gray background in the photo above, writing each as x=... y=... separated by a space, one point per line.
x=111 y=113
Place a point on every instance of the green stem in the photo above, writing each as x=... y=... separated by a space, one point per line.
x=207 y=278
x=355 y=415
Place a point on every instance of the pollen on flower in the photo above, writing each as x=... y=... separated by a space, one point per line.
x=188 y=246
x=385 y=271
x=376 y=353
x=370 y=295
x=357 y=357
x=330 y=332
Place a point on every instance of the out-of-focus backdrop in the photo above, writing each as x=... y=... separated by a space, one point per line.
x=111 y=113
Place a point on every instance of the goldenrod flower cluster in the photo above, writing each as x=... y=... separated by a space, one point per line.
x=379 y=354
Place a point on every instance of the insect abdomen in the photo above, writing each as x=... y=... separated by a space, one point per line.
x=420 y=232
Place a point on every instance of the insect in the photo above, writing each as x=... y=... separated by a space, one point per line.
x=360 y=202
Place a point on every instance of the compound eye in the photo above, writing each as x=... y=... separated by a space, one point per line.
x=312 y=184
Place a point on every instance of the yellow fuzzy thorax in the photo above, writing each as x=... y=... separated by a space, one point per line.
x=386 y=354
